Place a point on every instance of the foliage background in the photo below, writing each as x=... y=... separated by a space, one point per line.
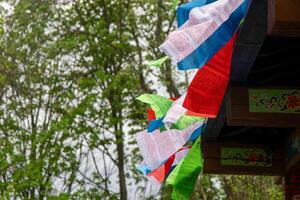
x=69 y=75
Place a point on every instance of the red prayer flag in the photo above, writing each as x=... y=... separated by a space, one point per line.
x=160 y=173
x=150 y=114
x=206 y=91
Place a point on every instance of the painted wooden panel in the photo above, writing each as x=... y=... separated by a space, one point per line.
x=251 y=157
x=238 y=110
x=214 y=159
x=274 y=101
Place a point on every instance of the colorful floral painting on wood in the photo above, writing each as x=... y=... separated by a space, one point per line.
x=252 y=157
x=274 y=101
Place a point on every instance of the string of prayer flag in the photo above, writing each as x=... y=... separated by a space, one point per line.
x=205 y=41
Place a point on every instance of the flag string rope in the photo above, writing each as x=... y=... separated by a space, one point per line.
x=204 y=40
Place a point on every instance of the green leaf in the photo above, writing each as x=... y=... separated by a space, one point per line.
x=174 y=4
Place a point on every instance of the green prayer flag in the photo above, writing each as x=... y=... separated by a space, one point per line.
x=172 y=176
x=184 y=176
x=158 y=63
x=185 y=121
x=160 y=105
x=242 y=21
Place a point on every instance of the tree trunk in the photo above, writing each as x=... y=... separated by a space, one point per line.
x=122 y=180
x=227 y=188
x=120 y=152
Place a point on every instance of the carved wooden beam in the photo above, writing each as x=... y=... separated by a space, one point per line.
x=284 y=17
x=249 y=41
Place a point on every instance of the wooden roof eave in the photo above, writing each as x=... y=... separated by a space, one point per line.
x=249 y=41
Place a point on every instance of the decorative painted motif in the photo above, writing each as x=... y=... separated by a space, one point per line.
x=274 y=101
x=251 y=157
